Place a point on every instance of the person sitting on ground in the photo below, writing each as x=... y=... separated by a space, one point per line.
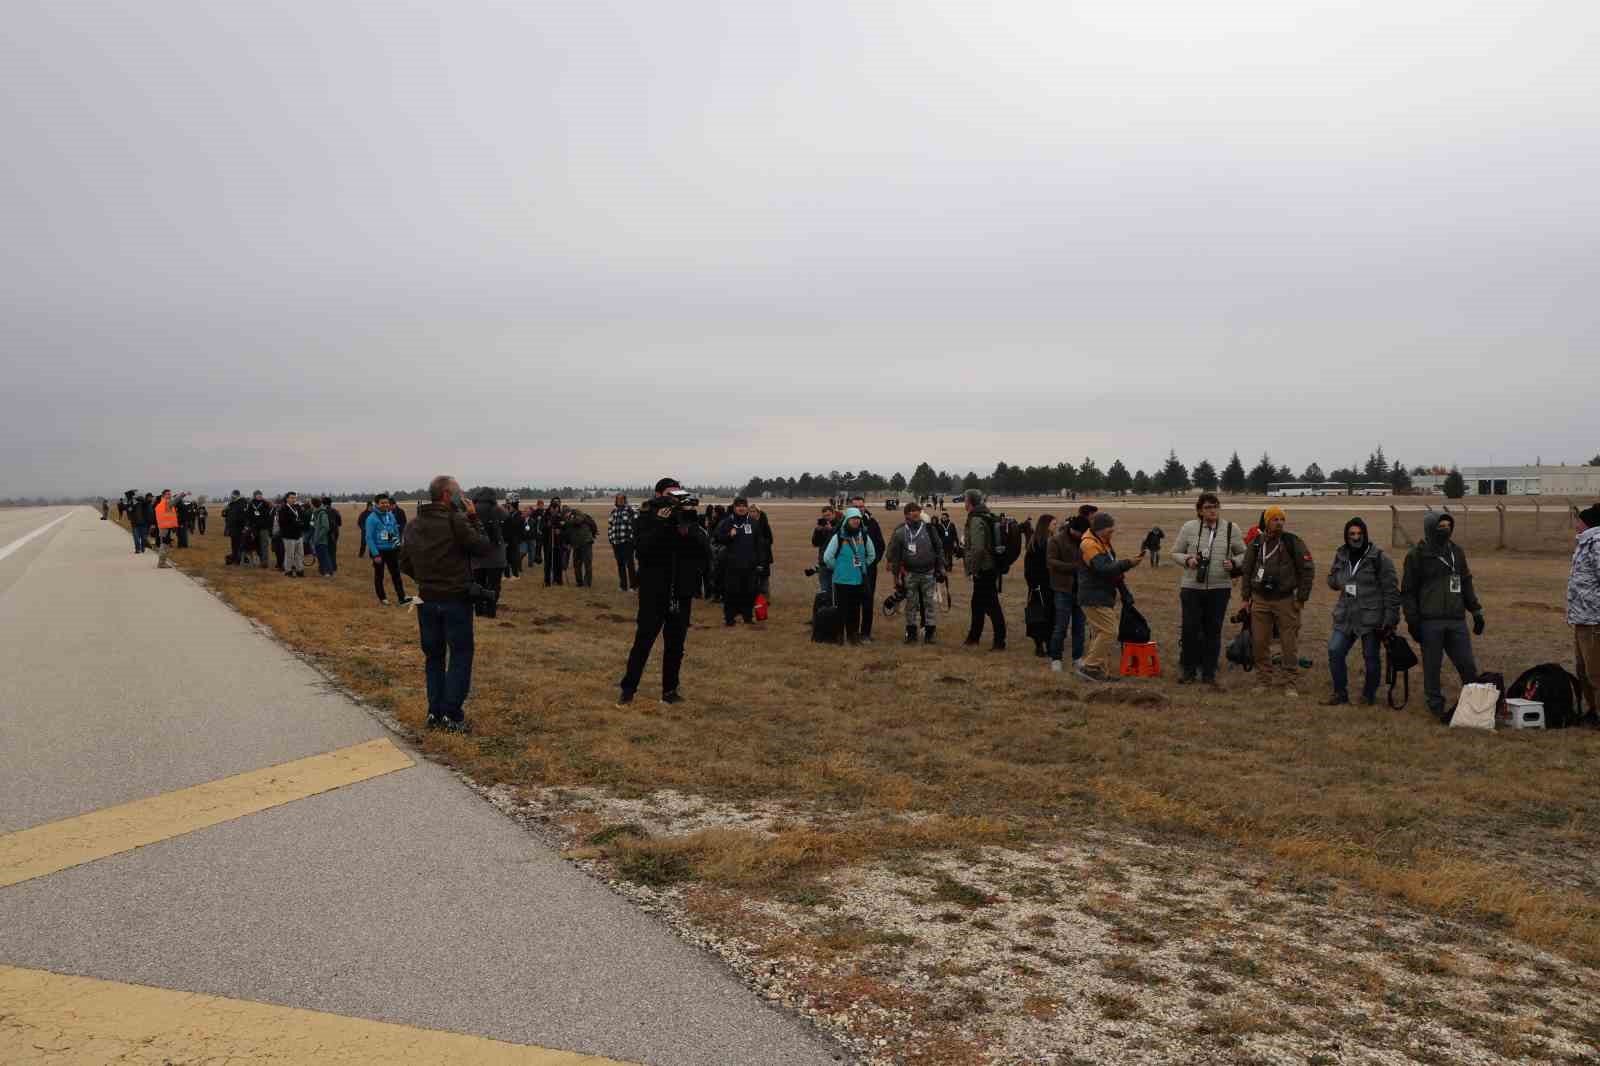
x=1040 y=614
x=1436 y=595
x=916 y=564
x=1101 y=577
x=1278 y=578
x=850 y=555
x=1583 y=603
x=1152 y=545
x=1367 y=610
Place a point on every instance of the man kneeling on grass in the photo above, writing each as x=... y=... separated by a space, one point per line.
x=438 y=549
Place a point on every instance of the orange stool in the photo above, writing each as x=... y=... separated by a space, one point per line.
x=1140 y=660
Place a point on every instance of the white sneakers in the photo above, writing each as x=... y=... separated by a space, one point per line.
x=1055 y=666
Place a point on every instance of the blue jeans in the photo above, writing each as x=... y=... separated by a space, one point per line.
x=325 y=559
x=825 y=579
x=139 y=534
x=446 y=630
x=1339 y=645
x=1067 y=612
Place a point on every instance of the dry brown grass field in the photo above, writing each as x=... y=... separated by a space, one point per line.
x=944 y=854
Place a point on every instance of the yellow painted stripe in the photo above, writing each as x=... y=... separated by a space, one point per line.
x=45 y=849
x=48 y=1018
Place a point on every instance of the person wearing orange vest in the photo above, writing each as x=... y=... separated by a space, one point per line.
x=166 y=527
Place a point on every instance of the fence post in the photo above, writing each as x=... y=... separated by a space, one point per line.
x=1538 y=515
x=1502 y=509
x=1397 y=536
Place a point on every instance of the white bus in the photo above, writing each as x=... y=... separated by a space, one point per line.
x=1373 y=488
x=1292 y=488
x=1332 y=488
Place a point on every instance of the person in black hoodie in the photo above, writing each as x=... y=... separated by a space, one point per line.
x=291 y=535
x=739 y=536
x=1040 y=613
x=1436 y=595
x=673 y=551
x=550 y=543
x=869 y=591
x=258 y=524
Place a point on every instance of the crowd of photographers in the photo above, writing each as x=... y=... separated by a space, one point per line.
x=458 y=551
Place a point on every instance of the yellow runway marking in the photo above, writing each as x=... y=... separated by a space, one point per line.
x=45 y=849
x=48 y=1018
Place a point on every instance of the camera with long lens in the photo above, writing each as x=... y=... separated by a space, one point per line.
x=892 y=603
x=1201 y=569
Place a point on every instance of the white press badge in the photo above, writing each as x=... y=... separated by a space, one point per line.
x=1350 y=589
x=1455 y=583
x=911 y=549
x=1261 y=573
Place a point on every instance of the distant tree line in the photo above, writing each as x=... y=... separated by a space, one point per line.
x=1172 y=478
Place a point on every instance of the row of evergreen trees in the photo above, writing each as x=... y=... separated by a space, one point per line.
x=1173 y=478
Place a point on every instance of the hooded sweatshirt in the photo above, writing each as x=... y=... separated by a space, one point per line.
x=1370 y=571
x=850 y=553
x=1437 y=586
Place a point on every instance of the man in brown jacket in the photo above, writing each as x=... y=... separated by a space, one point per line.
x=1278 y=577
x=1062 y=554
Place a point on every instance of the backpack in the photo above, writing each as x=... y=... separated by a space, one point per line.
x=1401 y=659
x=1132 y=627
x=1005 y=541
x=1241 y=650
x=1551 y=685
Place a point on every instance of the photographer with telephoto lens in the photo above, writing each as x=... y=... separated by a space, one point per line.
x=673 y=551
x=438 y=549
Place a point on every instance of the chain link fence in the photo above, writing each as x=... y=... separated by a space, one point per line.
x=1535 y=526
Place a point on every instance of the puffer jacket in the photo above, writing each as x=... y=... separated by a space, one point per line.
x=1583 y=588
x=1425 y=594
x=850 y=556
x=1376 y=604
x=1100 y=574
x=1228 y=543
x=439 y=546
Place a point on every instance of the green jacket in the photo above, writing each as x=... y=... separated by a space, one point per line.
x=1425 y=590
x=980 y=553
x=580 y=529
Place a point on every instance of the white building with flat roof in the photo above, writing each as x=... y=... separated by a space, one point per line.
x=1573 y=481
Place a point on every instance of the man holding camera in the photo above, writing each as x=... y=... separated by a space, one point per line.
x=673 y=550
x=916 y=560
x=821 y=534
x=438 y=550
x=1278 y=576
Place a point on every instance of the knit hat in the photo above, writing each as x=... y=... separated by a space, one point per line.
x=1590 y=515
x=1274 y=512
x=1102 y=521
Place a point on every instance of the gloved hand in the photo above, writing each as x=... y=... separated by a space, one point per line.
x=1477 y=623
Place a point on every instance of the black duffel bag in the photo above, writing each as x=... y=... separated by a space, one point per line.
x=1401 y=660
x=1132 y=629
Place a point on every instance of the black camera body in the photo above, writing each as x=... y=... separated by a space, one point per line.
x=892 y=603
x=1202 y=568
x=1269 y=585
x=481 y=596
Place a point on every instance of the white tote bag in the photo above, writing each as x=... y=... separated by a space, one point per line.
x=1476 y=709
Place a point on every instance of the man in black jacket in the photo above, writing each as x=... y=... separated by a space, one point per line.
x=258 y=526
x=673 y=551
x=740 y=536
x=233 y=524
x=1436 y=595
x=438 y=550
x=292 y=531
x=551 y=542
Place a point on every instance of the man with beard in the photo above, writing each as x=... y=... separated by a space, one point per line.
x=1367 y=611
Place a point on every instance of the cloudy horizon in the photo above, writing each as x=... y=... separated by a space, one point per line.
x=357 y=243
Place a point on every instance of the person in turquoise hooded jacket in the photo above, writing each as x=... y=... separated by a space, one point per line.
x=850 y=554
x=383 y=541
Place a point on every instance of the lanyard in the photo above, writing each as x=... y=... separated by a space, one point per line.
x=1271 y=553
x=1356 y=567
x=1211 y=545
x=1448 y=560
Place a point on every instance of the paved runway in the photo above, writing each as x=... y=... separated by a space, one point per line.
x=381 y=891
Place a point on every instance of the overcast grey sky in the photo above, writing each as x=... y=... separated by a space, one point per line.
x=341 y=243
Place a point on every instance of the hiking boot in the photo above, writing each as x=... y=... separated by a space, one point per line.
x=1211 y=682
x=458 y=725
x=624 y=699
x=1187 y=678
x=434 y=722
x=998 y=645
x=671 y=697
x=970 y=642
x=1338 y=699
x=1369 y=699
x=911 y=634
x=927 y=634
x=1092 y=674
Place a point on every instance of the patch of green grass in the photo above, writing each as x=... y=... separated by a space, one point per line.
x=608 y=833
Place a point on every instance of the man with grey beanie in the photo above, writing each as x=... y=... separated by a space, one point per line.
x=1100 y=579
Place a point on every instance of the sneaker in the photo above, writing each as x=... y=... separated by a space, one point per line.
x=1369 y=701
x=624 y=699
x=1091 y=674
x=927 y=635
x=453 y=725
x=911 y=636
x=671 y=697
x=1187 y=678
x=407 y=601
x=1055 y=666
x=434 y=722
x=970 y=642
x=998 y=645
x=383 y=603
x=1338 y=699
x=1211 y=682
x=1077 y=664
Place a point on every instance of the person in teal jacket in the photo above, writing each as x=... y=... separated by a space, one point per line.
x=849 y=554
x=383 y=541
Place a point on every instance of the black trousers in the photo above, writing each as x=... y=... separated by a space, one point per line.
x=1204 y=613
x=869 y=594
x=277 y=550
x=554 y=571
x=653 y=620
x=235 y=540
x=489 y=578
x=851 y=599
x=738 y=593
x=986 y=603
x=387 y=559
x=627 y=572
